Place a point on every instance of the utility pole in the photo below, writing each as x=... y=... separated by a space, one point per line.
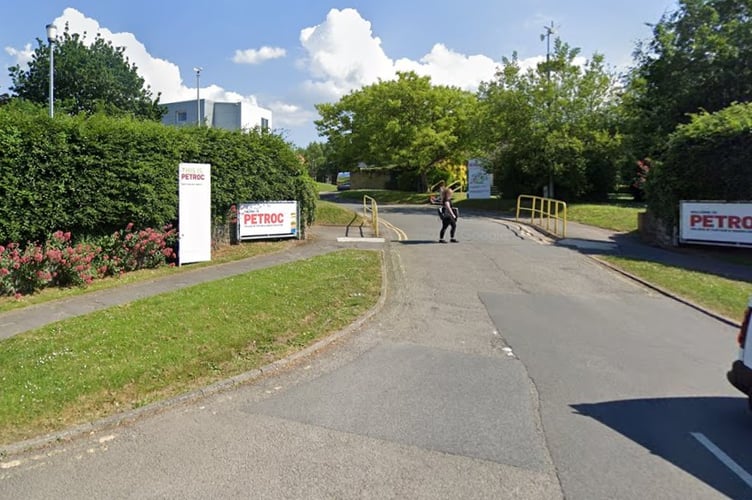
x=547 y=35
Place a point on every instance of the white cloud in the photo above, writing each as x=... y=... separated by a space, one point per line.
x=22 y=56
x=291 y=115
x=254 y=56
x=343 y=54
x=446 y=67
x=161 y=75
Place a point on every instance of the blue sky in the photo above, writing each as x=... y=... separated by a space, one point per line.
x=288 y=55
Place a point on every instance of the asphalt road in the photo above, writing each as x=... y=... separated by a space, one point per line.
x=499 y=367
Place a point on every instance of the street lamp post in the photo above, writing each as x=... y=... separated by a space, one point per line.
x=198 y=100
x=51 y=37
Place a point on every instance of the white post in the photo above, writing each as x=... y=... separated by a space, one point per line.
x=51 y=36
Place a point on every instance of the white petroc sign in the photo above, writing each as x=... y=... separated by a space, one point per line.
x=718 y=223
x=194 y=226
x=268 y=219
x=478 y=181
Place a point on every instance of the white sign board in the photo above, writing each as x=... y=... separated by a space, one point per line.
x=478 y=180
x=268 y=219
x=718 y=223
x=194 y=214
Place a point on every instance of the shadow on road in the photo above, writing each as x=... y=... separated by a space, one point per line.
x=685 y=431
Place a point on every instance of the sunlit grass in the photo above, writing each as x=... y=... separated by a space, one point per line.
x=124 y=357
x=621 y=217
x=725 y=296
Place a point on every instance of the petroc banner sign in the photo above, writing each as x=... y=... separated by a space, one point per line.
x=715 y=223
x=194 y=227
x=268 y=219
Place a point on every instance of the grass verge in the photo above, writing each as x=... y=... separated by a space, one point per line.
x=125 y=357
x=724 y=296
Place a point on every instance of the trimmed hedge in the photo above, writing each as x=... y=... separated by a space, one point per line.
x=709 y=158
x=94 y=175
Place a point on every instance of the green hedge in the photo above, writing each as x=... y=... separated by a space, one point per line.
x=94 y=175
x=709 y=158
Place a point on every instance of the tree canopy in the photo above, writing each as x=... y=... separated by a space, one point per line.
x=699 y=59
x=87 y=78
x=407 y=122
x=551 y=125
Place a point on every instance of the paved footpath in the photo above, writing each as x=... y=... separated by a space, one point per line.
x=321 y=240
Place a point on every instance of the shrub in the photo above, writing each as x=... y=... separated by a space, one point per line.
x=709 y=158
x=59 y=263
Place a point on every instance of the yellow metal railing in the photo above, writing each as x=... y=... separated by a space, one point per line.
x=433 y=194
x=546 y=213
x=370 y=207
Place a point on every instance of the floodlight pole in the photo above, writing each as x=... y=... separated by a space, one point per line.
x=198 y=99
x=51 y=37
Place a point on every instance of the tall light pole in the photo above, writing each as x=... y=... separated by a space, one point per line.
x=198 y=99
x=547 y=35
x=51 y=37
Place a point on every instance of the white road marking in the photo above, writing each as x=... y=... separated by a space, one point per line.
x=725 y=459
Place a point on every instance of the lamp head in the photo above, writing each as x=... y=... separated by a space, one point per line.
x=51 y=33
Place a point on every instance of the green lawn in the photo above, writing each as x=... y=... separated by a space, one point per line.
x=124 y=357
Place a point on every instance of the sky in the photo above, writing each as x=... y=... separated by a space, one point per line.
x=288 y=55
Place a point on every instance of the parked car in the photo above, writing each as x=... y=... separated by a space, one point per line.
x=740 y=374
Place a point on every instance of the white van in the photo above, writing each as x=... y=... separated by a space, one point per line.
x=740 y=374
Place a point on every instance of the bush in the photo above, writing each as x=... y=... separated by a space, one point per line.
x=89 y=175
x=60 y=263
x=709 y=158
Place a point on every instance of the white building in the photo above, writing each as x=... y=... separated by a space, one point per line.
x=224 y=115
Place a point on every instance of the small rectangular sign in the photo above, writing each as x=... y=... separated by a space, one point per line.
x=478 y=181
x=268 y=219
x=717 y=223
x=194 y=212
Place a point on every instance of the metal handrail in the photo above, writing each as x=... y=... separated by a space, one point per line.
x=545 y=213
x=432 y=189
x=374 y=211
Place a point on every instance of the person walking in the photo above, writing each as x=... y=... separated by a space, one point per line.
x=447 y=213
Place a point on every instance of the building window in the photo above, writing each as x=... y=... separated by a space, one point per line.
x=264 y=124
x=181 y=116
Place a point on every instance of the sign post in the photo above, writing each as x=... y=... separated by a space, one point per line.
x=715 y=223
x=478 y=180
x=194 y=214
x=268 y=219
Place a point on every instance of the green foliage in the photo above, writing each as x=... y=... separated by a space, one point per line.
x=698 y=60
x=407 y=122
x=709 y=158
x=317 y=158
x=92 y=175
x=88 y=77
x=554 y=122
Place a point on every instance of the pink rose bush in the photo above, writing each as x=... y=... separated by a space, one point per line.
x=60 y=263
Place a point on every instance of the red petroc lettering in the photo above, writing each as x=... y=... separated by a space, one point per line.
x=254 y=219
x=721 y=221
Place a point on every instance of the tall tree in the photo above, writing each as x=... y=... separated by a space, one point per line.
x=551 y=125
x=407 y=122
x=699 y=59
x=87 y=78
